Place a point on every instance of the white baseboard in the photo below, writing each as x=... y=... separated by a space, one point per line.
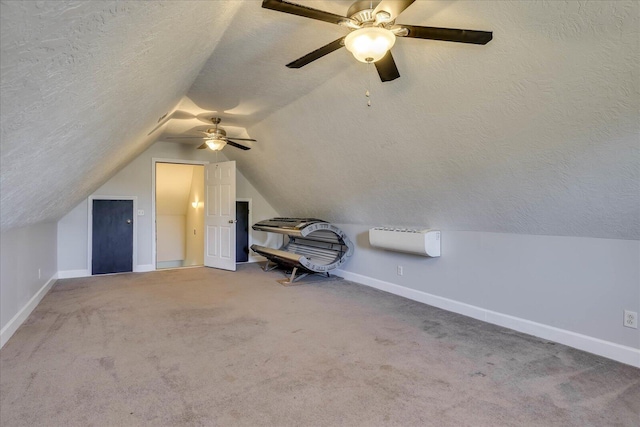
x=72 y=274
x=17 y=320
x=620 y=353
x=143 y=268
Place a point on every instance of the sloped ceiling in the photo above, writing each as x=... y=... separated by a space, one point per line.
x=83 y=83
x=536 y=132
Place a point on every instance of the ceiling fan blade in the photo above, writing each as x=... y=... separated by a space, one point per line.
x=187 y=137
x=387 y=69
x=240 y=146
x=317 y=54
x=449 y=34
x=393 y=7
x=307 y=12
x=242 y=139
x=203 y=146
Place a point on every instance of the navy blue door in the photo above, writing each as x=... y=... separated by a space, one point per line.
x=242 y=232
x=112 y=238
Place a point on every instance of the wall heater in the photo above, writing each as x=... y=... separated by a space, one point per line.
x=420 y=242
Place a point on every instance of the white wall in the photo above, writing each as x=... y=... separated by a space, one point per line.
x=260 y=210
x=73 y=241
x=24 y=251
x=135 y=180
x=171 y=237
x=530 y=283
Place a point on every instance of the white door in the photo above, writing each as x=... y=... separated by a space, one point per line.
x=220 y=216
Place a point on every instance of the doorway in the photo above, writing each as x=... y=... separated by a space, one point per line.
x=242 y=231
x=179 y=215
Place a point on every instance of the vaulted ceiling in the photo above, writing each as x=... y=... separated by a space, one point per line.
x=537 y=132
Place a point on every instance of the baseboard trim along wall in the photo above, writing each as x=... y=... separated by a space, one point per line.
x=72 y=274
x=617 y=352
x=12 y=326
x=143 y=268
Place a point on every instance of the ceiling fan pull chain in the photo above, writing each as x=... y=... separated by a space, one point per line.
x=368 y=85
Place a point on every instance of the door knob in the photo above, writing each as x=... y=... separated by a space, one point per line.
x=128 y=221
x=233 y=221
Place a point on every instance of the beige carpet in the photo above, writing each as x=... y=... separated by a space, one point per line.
x=207 y=347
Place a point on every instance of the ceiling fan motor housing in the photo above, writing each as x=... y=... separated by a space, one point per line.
x=361 y=11
x=216 y=132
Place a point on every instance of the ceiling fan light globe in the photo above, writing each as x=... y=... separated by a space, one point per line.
x=216 y=144
x=369 y=44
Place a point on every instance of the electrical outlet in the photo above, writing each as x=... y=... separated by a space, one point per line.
x=630 y=319
x=400 y=270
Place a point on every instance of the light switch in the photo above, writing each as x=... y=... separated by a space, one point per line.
x=140 y=212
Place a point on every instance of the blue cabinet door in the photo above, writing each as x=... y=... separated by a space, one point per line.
x=112 y=238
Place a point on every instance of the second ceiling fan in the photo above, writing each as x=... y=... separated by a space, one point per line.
x=373 y=32
x=216 y=138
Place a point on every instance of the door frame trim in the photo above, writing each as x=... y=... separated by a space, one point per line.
x=134 y=256
x=250 y=221
x=154 y=161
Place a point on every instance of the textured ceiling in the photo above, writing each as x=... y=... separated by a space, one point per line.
x=536 y=132
x=83 y=83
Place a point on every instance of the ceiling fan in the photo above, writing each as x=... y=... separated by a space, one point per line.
x=216 y=138
x=373 y=32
